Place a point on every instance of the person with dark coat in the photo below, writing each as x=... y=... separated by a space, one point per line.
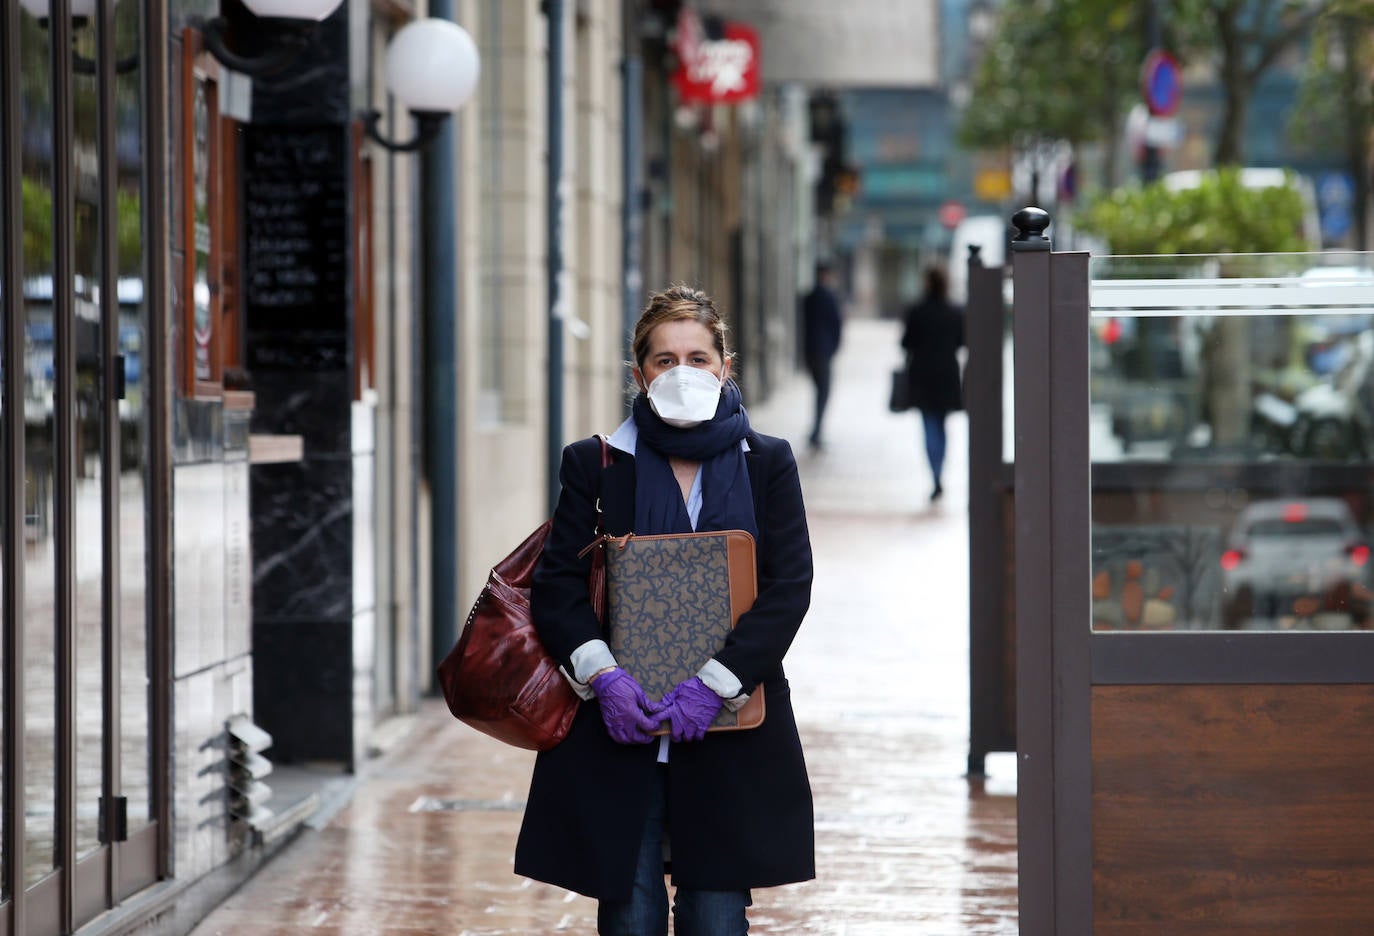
x=612 y=806
x=932 y=338
x=822 y=325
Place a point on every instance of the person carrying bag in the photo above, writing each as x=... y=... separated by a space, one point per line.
x=612 y=806
x=932 y=337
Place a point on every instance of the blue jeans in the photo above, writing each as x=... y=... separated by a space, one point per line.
x=934 y=423
x=695 y=913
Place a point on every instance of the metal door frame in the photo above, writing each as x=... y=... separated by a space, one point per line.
x=12 y=453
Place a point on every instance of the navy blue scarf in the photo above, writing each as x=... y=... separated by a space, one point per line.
x=727 y=497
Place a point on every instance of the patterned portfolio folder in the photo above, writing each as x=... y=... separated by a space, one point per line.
x=672 y=600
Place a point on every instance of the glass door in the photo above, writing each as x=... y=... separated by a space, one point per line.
x=12 y=502
x=37 y=855
x=128 y=764
x=77 y=832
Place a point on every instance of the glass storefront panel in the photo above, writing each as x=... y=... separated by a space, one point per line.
x=97 y=499
x=39 y=463
x=87 y=544
x=1231 y=432
x=135 y=749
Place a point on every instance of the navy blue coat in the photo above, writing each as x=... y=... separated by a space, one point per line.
x=739 y=801
x=822 y=325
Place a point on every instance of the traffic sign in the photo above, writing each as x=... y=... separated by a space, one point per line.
x=951 y=213
x=1161 y=83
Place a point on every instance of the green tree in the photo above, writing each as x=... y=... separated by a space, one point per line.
x=38 y=239
x=1335 y=109
x=36 y=96
x=1220 y=215
x=1055 y=70
x=1069 y=69
x=1243 y=38
x=36 y=209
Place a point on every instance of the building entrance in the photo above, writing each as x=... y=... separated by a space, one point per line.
x=78 y=829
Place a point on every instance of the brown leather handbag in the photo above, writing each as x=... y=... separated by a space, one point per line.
x=499 y=678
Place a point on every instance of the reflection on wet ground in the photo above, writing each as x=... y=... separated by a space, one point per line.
x=905 y=844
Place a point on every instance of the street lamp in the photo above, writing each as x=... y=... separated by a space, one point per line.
x=289 y=26
x=431 y=68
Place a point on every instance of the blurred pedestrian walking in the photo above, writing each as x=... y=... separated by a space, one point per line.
x=932 y=338
x=730 y=810
x=822 y=325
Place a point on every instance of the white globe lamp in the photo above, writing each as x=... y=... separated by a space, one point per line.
x=432 y=66
x=311 y=10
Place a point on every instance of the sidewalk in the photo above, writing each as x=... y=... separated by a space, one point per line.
x=879 y=673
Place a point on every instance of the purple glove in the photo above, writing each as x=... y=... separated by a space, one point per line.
x=625 y=709
x=692 y=706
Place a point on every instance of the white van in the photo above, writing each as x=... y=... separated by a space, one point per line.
x=990 y=233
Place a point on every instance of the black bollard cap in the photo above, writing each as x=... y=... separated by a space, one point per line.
x=1030 y=224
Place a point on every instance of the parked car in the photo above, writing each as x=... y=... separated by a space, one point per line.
x=991 y=234
x=1296 y=560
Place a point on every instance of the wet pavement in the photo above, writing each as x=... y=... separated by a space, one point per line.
x=905 y=844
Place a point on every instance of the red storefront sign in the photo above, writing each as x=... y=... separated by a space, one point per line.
x=715 y=71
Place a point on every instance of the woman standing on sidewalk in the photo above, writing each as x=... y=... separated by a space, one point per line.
x=933 y=336
x=613 y=807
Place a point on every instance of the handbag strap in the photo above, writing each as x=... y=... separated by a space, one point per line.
x=596 y=580
x=600 y=531
x=605 y=463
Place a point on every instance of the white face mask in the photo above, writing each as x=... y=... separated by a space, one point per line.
x=685 y=396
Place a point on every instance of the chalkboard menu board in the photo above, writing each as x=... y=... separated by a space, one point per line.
x=295 y=247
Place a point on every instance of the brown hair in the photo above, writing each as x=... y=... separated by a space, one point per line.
x=937 y=285
x=675 y=304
